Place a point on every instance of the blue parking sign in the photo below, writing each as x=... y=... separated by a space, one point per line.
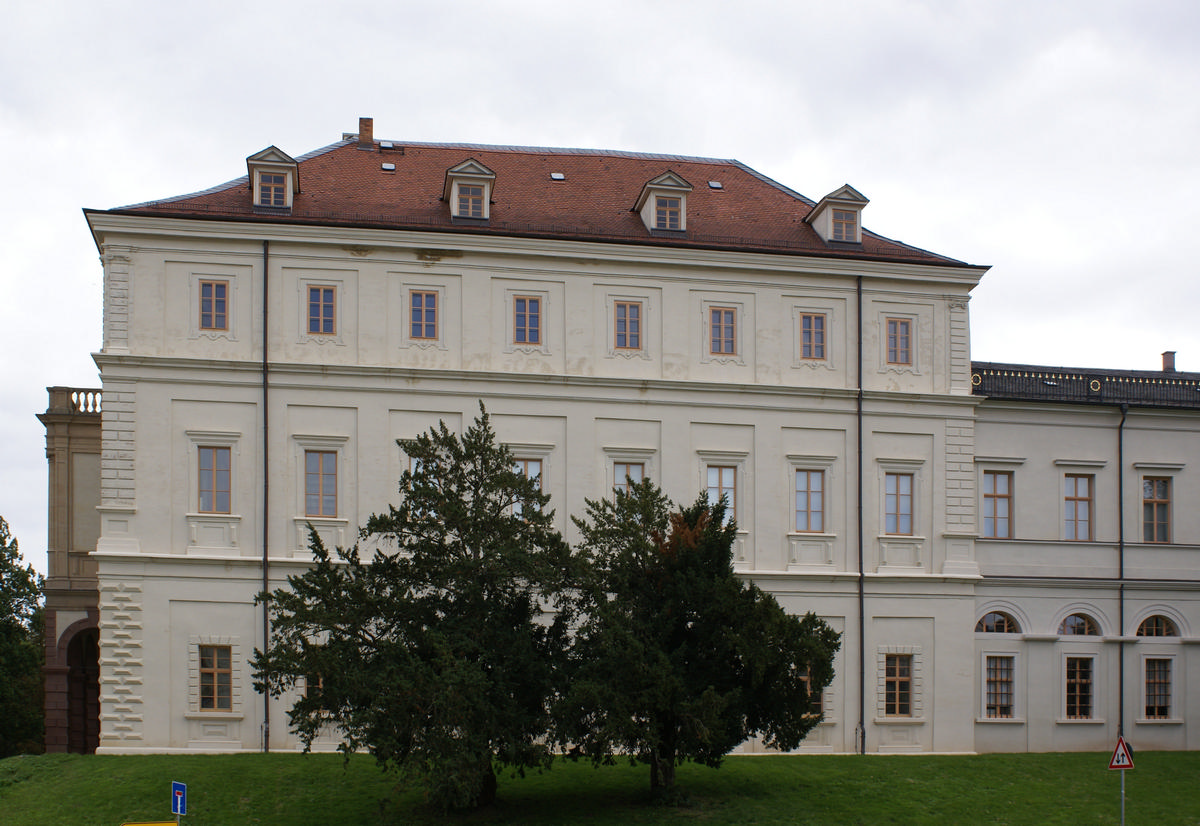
x=178 y=798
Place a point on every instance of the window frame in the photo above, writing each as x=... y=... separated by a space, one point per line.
x=272 y=193
x=522 y=465
x=1010 y=622
x=892 y=516
x=322 y=318
x=214 y=489
x=809 y=510
x=810 y=348
x=668 y=212
x=1160 y=626
x=1161 y=687
x=1085 y=626
x=223 y=314
x=991 y=500
x=721 y=488
x=321 y=476
x=897 y=685
x=214 y=672
x=524 y=329
x=844 y=225
x=1071 y=505
x=999 y=684
x=1079 y=689
x=418 y=321
x=621 y=471
x=632 y=337
x=898 y=346
x=722 y=331
x=1158 y=518
x=469 y=198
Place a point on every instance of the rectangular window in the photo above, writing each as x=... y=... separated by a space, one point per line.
x=216 y=678
x=899 y=341
x=721 y=321
x=214 y=479
x=271 y=189
x=898 y=504
x=845 y=225
x=321 y=307
x=214 y=306
x=470 y=201
x=527 y=320
x=424 y=309
x=666 y=213
x=1158 y=689
x=997 y=504
x=999 y=687
x=531 y=468
x=628 y=321
x=320 y=483
x=812 y=336
x=1077 y=507
x=626 y=472
x=897 y=679
x=1079 y=688
x=810 y=501
x=722 y=481
x=814 y=699
x=1156 y=509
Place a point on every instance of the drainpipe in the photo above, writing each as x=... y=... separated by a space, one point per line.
x=266 y=491
x=1121 y=568
x=861 y=745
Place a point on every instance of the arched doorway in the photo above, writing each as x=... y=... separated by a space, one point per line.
x=83 y=692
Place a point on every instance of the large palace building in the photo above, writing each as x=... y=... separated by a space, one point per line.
x=1009 y=551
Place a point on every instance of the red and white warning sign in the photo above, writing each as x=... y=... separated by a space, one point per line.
x=1122 y=758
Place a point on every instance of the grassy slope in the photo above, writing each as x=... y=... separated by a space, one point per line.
x=69 y=790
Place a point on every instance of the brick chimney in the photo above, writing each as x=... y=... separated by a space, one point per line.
x=1169 y=361
x=366 y=133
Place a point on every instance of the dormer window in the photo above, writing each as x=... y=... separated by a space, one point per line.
x=274 y=179
x=837 y=217
x=468 y=190
x=663 y=203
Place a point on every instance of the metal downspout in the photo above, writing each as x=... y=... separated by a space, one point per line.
x=862 y=629
x=266 y=491
x=1121 y=568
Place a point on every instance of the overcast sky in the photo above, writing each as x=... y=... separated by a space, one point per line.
x=1056 y=142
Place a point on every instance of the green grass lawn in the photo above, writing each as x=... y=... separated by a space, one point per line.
x=298 y=790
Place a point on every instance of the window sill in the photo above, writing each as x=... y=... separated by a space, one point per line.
x=1093 y=721
x=214 y=715
x=899 y=721
x=1167 y=721
x=1018 y=721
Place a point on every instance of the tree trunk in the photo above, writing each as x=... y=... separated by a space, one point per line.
x=487 y=784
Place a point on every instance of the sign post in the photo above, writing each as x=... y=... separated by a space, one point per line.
x=179 y=799
x=1122 y=761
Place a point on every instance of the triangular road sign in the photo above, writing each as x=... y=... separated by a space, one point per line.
x=1122 y=758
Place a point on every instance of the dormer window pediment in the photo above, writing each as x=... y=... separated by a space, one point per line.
x=274 y=179
x=468 y=190
x=838 y=216
x=662 y=203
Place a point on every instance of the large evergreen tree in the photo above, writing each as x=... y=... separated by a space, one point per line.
x=21 y=651
x=438 y=654
x=675 y=658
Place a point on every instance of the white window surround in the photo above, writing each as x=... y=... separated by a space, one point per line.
x=740 y=335
x=1013 y=611
x=212 y=533
x=668 y=185
x=633 y=455
x=1018 y=695
x=1159 y=609
x=237 y=665
x=1092 y=653
x=810 y=549
x=647 y=351
x=273 y=161
x=744 y=506
x=1140 y=717
x=902 y=551
x=917 y=685
x=230 y=331
x=914 y=342
x=333 y=530
x=543 y=347
x=832 y=323
x=845 y=198
x=337 y=337
x=407 y=340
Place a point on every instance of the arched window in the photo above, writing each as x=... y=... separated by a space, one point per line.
x=997 y=622
x=1157 y=626
x=1079 y=625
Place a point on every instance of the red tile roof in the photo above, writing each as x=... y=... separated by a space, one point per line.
x=343 y=185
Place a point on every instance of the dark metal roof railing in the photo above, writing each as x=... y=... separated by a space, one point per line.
x=1102 y=387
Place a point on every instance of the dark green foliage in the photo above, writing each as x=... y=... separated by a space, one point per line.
x=675 y=657
x=21 y=651
x=438 y=654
